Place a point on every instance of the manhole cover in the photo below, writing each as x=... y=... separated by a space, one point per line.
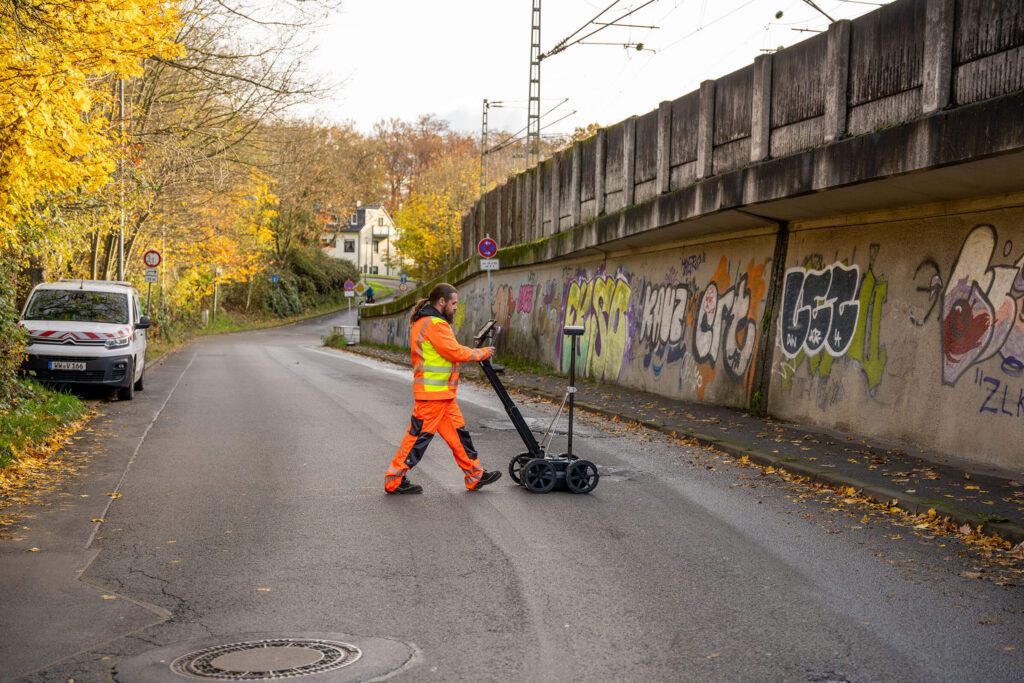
x=260 y=660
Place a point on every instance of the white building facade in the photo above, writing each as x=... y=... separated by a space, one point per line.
x=365 y=236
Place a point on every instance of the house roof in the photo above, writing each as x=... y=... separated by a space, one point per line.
x=345 y=224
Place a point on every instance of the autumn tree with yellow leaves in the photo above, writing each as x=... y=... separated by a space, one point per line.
x=58 y=140
x=446 y=182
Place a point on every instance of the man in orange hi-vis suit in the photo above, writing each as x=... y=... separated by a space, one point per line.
x=436 y=355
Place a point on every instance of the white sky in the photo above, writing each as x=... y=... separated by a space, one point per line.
x=404 y=58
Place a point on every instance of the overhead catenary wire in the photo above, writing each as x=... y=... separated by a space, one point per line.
x=563 y=45
x=502 y=144
x=558 y=46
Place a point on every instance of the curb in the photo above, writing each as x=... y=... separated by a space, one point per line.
x=1009 y=531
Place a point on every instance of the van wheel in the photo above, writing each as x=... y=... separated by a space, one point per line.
x=139 y=385
x=127 y=393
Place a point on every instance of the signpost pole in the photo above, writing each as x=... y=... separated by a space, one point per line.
x=487 y=248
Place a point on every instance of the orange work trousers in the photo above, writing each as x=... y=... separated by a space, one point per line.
x=428 y=418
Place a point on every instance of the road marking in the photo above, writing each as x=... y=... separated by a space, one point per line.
x=142 y=439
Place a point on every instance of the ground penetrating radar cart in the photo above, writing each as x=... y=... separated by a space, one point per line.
x=538 y=469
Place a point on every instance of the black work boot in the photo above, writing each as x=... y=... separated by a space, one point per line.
x=407 y=487
x=487 y=478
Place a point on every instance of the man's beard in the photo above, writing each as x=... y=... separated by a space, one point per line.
x=449 y=318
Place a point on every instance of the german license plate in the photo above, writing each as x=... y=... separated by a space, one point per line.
x=65 y=365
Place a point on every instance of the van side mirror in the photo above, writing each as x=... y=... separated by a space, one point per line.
x=144 y=322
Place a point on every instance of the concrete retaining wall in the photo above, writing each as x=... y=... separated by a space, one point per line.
x=906 y=325
x=681 y=322
x=909 y=327
x=834 y=233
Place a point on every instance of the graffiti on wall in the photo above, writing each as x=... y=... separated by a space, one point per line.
x=830 y=312
x=600 y=303
x=716 y=323
x=980 y=308
x=726 y=328
x=391 y=331
x=510 y=300
x=663 y=324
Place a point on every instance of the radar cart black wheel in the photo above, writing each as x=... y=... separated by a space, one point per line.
x=581 y=476
x=539 y=476
x=516 y=465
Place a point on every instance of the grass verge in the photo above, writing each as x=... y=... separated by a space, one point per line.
x=32 y=417
x=335 y=340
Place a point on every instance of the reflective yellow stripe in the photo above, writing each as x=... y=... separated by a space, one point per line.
x=445 y=369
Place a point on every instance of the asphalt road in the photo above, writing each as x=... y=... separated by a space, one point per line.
x=250 y=475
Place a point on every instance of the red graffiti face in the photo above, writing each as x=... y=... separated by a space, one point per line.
x=963 y=329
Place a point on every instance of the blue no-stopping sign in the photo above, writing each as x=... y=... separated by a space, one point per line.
x=487 y=247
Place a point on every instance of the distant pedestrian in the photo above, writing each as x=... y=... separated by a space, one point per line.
x=369 y=295
x=436 y=355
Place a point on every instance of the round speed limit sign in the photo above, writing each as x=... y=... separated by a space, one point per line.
x=151 y=258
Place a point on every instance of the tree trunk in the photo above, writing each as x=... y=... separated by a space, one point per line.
x=95 y=253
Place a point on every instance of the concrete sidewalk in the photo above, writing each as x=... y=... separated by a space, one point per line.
x=965 y=491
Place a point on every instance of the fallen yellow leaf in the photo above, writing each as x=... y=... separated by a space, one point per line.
x=264 y=590
x=110 y=597
x=33 y=550
x=98 y=519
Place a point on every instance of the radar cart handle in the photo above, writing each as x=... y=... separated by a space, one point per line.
x=573 y=331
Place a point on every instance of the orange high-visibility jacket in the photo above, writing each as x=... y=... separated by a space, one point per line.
x=436 y=355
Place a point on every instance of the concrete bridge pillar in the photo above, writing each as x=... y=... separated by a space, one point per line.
x=629 y=160
x=838 y=68
x=761 y=109
x=575 y=190
x=600 y=145
x=664 y=146
x=706 y=130
x=938 y=56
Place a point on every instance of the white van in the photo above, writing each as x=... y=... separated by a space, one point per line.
x=87 y=332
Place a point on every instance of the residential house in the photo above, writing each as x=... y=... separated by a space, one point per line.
x=365 y=236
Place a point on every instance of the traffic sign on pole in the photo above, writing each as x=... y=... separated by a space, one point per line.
x=151 y=258
x=349 y=285
x=487 y=247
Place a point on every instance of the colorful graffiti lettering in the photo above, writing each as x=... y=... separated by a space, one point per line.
x=503 y=306
x=981 y=308
x=525 y=299
x=829 y=313
x=995 y=402
x=601 y=305
x=819 y=307
x=725 y=326
x=663 y=324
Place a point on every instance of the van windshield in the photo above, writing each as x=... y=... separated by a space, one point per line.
x=80 y=305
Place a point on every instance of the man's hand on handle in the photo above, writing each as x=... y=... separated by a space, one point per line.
x=490 y=351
